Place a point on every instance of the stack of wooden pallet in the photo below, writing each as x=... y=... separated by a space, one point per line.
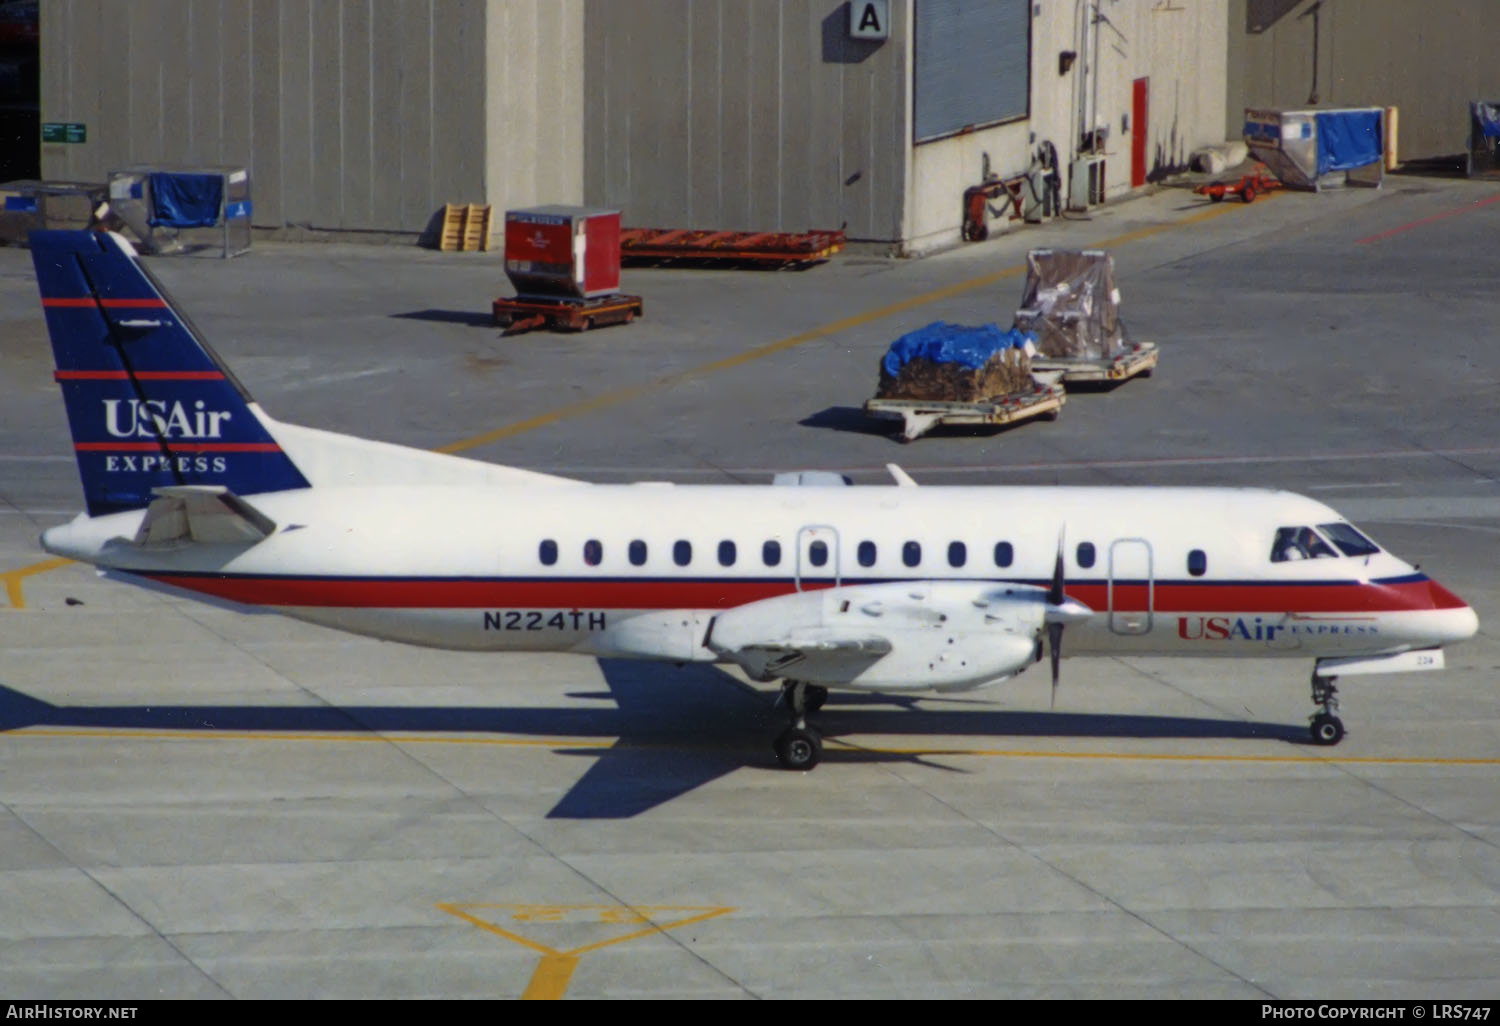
x=466 y=227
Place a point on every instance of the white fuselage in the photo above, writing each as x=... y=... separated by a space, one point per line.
x=642 y=570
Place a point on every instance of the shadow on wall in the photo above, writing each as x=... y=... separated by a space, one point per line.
x=838 y=48
x=432 y=235
x=1262 y=14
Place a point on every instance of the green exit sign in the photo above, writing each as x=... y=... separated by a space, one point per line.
x=64 y=132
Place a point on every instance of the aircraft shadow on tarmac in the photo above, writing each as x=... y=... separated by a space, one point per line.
x=675 y=729
x=472 y=318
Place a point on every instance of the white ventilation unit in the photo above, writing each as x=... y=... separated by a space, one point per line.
x=1086 y=186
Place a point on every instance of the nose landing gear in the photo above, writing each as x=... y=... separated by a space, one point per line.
x=800 y=746
x=1327 y=728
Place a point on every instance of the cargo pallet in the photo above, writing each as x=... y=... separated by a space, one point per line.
x=771 y=249
x=1137 y=361
x=563 y=314
x=919 y=416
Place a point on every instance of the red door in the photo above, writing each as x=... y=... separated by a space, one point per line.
x=1138 y=133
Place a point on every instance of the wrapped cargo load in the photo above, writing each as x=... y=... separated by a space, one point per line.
x=956 y=363
x=1072 y=305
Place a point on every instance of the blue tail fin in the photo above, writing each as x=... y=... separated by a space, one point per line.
x=149 y=403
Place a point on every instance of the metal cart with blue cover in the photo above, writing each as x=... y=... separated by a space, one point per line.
x=953 y=375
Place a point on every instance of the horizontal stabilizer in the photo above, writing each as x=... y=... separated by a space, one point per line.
x=201 y=513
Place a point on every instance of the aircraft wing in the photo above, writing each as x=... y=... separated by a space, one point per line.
x=818 y=657
x=201 y=513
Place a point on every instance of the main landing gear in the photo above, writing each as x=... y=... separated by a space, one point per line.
x=800 y=746
x=1327 y=728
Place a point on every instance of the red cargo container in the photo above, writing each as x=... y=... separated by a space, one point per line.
x=563 y=251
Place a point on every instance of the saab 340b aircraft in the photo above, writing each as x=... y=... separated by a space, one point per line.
x=191 y=486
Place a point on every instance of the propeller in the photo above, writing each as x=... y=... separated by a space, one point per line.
x=1060 y=612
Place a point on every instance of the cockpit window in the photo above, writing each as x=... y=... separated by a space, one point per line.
x=1299 y=543
x=1349 y=541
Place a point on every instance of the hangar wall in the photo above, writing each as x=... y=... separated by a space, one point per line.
x=735 y=115
x=350 y=114
x=1176 y=46
x=1429 y=60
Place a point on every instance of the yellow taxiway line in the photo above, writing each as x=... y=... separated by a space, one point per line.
x=12 y=579
x=834 y=746
x=551 y=976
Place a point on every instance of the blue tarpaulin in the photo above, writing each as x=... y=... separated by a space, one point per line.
x=185 y=200
x=1348 y=139
x=1487 y=117
x=941 y=342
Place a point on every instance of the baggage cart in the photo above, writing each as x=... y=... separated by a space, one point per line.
x=523 y=313
x=1137 y=361
x=919 y=416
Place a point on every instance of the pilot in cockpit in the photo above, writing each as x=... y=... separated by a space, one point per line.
x=1299 y=543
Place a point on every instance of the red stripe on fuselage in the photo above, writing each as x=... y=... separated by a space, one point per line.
x=1402 y=595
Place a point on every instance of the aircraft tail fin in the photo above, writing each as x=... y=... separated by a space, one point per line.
x=150 y=405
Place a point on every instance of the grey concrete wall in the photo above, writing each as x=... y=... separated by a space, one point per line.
x=744 y=115
x=350 y=114
x=1428 y=59
x=534 y=103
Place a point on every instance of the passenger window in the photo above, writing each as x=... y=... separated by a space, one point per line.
x=958 y=553
x=817 y=553
x=911 y=553
x=1197 y=563
x=726 y=553
x=1299 y=543
x=682 y=553
x=547 y=552
x=1085 y=554
x=770 y=553
x=1349 y=541
x=637 y=553
x=593 y=552
x=1004 y=553
x=866 y=553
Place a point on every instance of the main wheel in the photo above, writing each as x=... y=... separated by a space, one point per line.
x=799 y=748
x=1327 y=730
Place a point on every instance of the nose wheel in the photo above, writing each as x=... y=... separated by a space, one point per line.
x=1327 y=728
x=800 y=746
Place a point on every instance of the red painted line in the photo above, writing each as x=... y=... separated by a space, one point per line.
x=108 y=304
x=119 y=375
x=1426 y=220
x=581 y=593
x=176 y=445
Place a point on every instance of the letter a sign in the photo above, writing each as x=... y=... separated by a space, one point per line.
x=869 y=19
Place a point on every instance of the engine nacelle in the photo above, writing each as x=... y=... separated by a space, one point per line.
x=902 y=636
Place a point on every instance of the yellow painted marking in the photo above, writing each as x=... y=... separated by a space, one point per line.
x=1372 y=760
x=12 y=579
x=552 y=974
x=352 y=737
x=551 y=978
x=616 y=396
x=833 y=745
